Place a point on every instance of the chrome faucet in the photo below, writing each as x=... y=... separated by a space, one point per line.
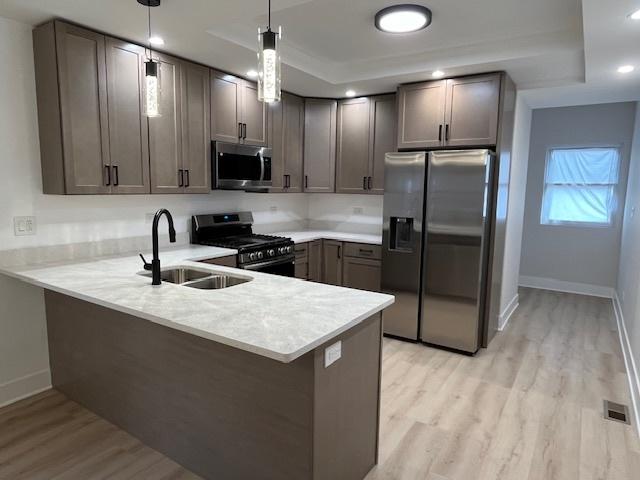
x=154 y=266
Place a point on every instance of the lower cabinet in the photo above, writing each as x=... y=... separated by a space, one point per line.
x=361 y=273
x=309 y=261
x=332 y=262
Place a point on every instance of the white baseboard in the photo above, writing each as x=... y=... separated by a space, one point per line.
x=24 y=387
x=567 y=287
x=629 y=361
x=507 y=313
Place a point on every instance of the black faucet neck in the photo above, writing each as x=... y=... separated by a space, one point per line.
x=155 y=263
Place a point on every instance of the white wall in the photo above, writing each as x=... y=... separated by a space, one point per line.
x=348 y=213
x=628 y=288
x=574 y=258
x=515 y=210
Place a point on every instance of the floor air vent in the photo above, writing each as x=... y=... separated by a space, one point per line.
x=616 y=411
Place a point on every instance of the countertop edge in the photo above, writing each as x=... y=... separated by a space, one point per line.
x=281 y=357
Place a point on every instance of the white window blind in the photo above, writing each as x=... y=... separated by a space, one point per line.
x=580 y=186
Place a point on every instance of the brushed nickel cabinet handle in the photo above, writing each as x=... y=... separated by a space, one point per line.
x=187 y=183
x=369 y=183
x=306 y=181
x=440 y=132
x=116 y=179
x=180 y=177
x=107 y=169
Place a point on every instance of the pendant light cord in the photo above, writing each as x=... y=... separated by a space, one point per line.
x=269 y=27
x=149 y=40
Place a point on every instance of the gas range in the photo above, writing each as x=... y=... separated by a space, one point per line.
x=267 y=253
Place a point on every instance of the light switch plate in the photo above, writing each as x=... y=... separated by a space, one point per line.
x=24 y=226
x=332 y=353
x=358 y=210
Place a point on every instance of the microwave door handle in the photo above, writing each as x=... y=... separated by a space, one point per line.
x=261 y=166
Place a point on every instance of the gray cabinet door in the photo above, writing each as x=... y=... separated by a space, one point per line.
x=293 y=122
x=472 y=110
x=382 y=139
x=332 y=262
x=421 y=114
x=128 y=127
x=319 y=145
x=225 y=107
x=165 y=131
x=353 y=142
x=361 y=273
x=276 y=143
x=254 y=116
x=83 y=109
x=196 y=143
x=314 y=255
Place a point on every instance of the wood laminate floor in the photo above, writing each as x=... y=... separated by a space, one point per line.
x=527 y=408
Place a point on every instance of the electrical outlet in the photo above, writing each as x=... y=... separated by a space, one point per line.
x=358 y=210
x=273 y=208
x=332 y=353
x=24 y=226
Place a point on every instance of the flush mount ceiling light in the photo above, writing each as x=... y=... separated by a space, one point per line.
x=350 y=93
x=626 y=69
x=269 y=63
x=151 y=71
x=403 y=18
x=252 y=74
x=438 y=74
x=156 y=40
x=635 y=15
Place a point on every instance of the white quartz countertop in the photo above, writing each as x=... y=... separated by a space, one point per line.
x=277 y=317
x=311 y=235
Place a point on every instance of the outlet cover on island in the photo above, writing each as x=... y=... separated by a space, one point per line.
x=24 y=226
x=332 y=353
x=358 y=210
x=273 y=208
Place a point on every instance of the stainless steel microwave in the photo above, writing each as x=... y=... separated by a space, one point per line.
x=241 y=167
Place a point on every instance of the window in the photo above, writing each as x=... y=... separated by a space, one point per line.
x=580 y=186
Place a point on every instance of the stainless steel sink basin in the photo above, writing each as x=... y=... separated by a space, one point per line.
x=217 y=281
x=201 y=279
x=180 y=275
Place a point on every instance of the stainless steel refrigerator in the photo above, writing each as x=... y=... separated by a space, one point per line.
x=436 y=236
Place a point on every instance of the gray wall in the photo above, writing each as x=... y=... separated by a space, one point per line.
x=578 y=255
x=629 y=278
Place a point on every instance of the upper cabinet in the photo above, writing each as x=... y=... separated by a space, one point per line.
x=366 y=132
x=457 y=112
x=237 y=116
x=319 y=145
x=286 y=123
x=71 y=81
x=128 y=127
x=94 y=137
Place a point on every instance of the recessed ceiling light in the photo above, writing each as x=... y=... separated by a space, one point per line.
x=626 y=69
x=252 y=74
x=635 y=15
x=438 y=74
x=403 y=18
x=350 y=93
x=155 y=40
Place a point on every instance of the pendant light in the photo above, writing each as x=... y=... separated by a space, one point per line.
x=151 y=72
x=269 y=63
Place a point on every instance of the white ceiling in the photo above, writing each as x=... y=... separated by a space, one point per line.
x=332 y=45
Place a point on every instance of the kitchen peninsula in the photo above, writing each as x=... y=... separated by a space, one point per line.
x=272 y=373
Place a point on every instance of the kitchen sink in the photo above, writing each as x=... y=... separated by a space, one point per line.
x=217 y=281
x=180 y=275
x=201 y=279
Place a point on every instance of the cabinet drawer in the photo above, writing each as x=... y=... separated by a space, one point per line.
x=301 y=250
x=362 y=250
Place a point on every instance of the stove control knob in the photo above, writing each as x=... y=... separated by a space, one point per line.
x=260 y=255
x=271 y=252
x=289 y=249
x=252 y=256
x=280 y=250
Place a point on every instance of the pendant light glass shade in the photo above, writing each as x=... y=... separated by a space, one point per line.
x=152 y=89
x=268 y=66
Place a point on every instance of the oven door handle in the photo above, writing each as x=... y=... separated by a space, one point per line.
x=269 y=263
